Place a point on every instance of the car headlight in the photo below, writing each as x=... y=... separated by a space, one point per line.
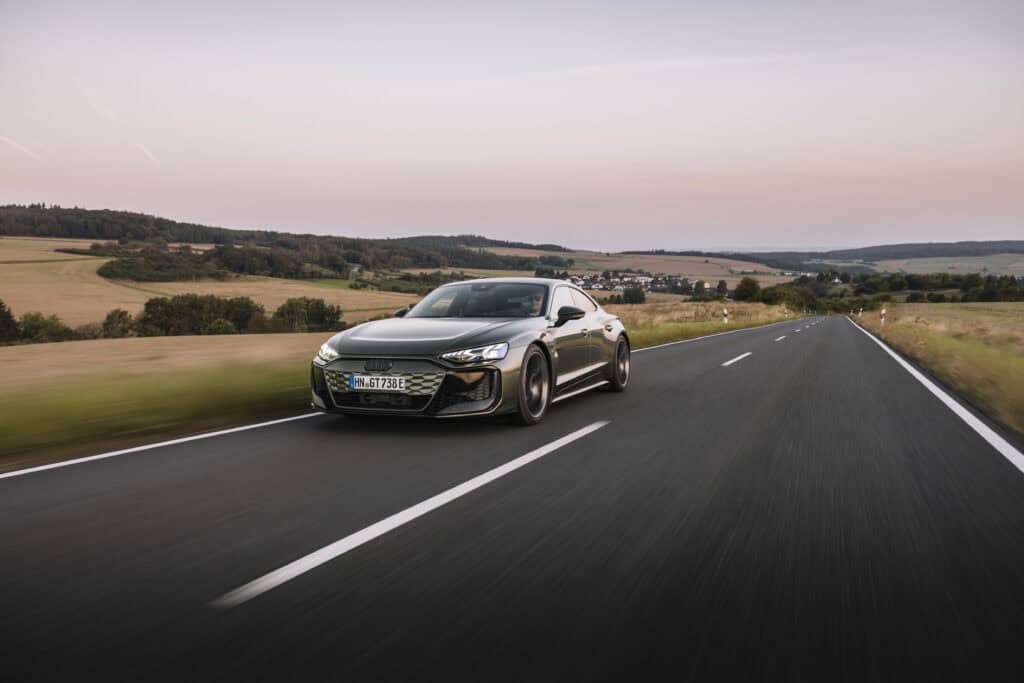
x=326 y=353
x=491 y=352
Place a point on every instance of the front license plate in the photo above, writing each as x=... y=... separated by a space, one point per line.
x=376 y=383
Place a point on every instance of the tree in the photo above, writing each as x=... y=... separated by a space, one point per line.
x=722 y=288
x=118 y=324
x=747 y=290
x=9 y=328
x=39 y=328
x=633 y=295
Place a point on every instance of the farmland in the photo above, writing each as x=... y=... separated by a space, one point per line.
x=691 y=267
x=34 y=277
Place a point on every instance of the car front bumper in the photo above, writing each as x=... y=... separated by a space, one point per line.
x=433 y=389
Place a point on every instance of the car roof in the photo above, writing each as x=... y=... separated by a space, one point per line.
x=550 y=282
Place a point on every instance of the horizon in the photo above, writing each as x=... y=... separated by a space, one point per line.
x=657 y=125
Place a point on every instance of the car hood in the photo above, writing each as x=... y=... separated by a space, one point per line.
x=428 y=336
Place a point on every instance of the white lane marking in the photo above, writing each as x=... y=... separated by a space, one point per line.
x=329 y=552
x=984 y=431
x=707 y=336
x=737 y=358
x=780 y=338
x=797 y=330
x=577 y=392
x=146 y=447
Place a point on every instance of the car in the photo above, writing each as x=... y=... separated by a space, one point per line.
x=492 y=346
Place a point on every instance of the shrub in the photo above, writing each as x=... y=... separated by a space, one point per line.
x=304 y=314
x=915 y=298
x=38 y=328
x=633 y=295
x=118 y=324
x=747 y=290
x=221 y=326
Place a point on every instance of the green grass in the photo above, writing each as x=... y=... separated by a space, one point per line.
x=975 y=348
x=669 y=332
x=98 y=413
x=95 y=413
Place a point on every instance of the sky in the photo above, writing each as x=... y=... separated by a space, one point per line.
x=634 y=124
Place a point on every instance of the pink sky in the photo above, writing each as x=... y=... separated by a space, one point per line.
x=599 y=125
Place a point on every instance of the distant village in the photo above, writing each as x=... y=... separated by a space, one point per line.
x=619 y=281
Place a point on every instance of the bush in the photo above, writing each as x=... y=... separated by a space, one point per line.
x=304 y=314
x=9 y=328
x=118 y=324
x=193 y=314
x=36 y=327
x=915 y=298
x=747 y=290
x=89 y=331
x=936 y=297
x=633 y=295
x=221 y=326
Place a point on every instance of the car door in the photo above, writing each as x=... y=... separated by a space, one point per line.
x=598 y=348
x=572 y=348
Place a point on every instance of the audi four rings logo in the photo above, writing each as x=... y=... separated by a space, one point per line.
x=378 y=364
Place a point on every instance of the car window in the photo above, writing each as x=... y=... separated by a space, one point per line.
x=483 y=300
x=583 y=301
x=562 y=298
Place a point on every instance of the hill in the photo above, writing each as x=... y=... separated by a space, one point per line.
x=301 y=255
x=880 y=258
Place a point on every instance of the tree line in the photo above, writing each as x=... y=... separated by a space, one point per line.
x=185 y=314
x=260 y=250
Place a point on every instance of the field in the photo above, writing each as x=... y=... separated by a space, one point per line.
x=996 y=264
x=50 y=282
x=692 y=267
x=976 y=348
x=22 y=249
x=73 y=398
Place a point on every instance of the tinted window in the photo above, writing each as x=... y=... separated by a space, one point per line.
x=483 y=300
x=562 y=298
x=583 y=301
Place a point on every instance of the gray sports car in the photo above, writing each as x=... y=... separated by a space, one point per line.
x=481 y=347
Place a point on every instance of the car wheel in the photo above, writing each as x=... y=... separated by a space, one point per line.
x=534 y=387
x=619 y=375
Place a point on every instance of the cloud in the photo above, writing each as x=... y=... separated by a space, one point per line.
x=20 y=147
x=146 y=153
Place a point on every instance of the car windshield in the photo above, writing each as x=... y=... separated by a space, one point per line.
x=483 y=300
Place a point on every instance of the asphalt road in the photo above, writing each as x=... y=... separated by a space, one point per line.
x=807 y=512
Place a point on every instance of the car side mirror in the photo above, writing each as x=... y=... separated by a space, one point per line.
x=400 y=313
x=567 y=313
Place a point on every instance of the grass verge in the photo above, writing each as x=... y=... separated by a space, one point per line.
x=143 y=390
x=976 y=349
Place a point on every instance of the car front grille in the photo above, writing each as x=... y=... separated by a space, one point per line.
x=416 y=383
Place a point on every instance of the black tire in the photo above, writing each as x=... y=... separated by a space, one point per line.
x=619 y=375
x=534 y=387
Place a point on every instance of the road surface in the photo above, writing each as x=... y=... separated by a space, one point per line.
x=783 y=503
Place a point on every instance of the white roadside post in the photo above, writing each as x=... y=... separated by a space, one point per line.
x=725 y=316
x=860 y=313
x=883 y=316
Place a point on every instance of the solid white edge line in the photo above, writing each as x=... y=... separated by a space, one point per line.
x=160 y=444
x=708 y=336
x=340 y=547
x=1004 y=447
x=781 y=338
x=577 y=392
x=737 y=358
